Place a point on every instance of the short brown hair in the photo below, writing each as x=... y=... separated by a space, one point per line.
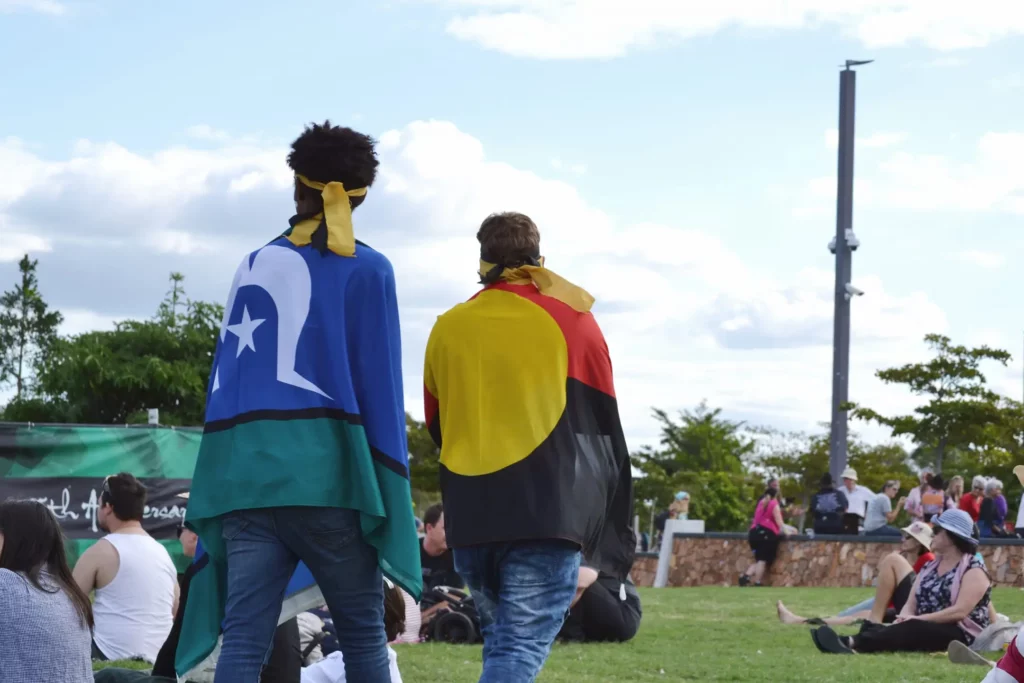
x=126 y=495
x=394 y=612
x=509 y=239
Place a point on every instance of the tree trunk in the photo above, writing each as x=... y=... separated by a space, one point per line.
x=939 y=453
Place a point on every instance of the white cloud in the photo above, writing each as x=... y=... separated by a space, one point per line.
x=579 y=29
x=206 y=132
x=15 y=245
x=41 y=6
x=559 y=165
x=686 y=318
x=875 y=140
x=983 y=259
x=992 y=181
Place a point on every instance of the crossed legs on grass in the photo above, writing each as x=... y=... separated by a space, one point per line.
x=893 y=571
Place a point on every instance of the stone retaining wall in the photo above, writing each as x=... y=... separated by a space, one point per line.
x=848 y=561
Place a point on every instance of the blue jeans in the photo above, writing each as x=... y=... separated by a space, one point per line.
x=886 y=530
x=263 y=549
x=522 y=592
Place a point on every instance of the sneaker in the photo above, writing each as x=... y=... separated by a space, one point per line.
x=744 y=581
x=959 y=653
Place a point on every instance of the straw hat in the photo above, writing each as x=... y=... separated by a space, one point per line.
x=920 y=532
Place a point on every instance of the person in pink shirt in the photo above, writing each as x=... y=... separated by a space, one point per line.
x=765 y=533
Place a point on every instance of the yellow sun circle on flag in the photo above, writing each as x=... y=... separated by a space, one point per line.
x=500 y=364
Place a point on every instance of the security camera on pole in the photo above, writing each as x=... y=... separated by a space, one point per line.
x=843 y=245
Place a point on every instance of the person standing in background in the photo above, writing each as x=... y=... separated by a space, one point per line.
x=970 y=502
x=913 y=504
x=880 y=513
x=763 y=537
x=519 y=397
x=857 y=499
x=955 y=490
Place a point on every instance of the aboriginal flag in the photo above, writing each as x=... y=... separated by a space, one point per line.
x=520 y=398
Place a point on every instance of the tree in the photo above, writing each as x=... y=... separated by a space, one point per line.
x=960 y=408
x=28 y=330
x=424 y=457
x=704 y=455
x=113 y=377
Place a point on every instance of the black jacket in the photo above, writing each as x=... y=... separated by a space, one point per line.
x=828 y=507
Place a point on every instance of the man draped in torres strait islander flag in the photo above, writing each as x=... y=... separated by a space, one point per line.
x=534 y=466
x=304 y=454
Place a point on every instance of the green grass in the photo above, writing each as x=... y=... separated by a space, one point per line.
x=714 y=634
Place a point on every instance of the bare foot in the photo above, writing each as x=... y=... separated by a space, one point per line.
x=787 y=617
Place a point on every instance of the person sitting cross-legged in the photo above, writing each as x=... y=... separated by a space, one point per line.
x=950 y=600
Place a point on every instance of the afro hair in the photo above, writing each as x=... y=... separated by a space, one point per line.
x=326 y=153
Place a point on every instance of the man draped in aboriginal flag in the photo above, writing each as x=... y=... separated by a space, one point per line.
x=534 y=466
x=304 y=454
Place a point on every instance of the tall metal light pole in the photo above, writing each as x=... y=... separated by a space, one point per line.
x=843 y=246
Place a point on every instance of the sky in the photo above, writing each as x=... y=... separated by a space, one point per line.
x=678 y=156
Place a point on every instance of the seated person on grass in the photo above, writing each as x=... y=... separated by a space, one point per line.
x=896 y=577
x=331 y=669
x=605 y=609
x=949 y=603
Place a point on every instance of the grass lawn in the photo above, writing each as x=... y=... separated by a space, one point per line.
x=714 y=634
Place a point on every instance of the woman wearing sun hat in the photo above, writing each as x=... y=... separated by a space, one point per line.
x=896 y=577
x=949 y=601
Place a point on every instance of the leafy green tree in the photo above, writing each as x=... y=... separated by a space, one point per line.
x=959 y=408
x=28 y=330
x=114 y=376
x=424 y=457
x=703 y=454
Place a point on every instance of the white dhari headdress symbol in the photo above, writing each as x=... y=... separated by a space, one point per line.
x=282 y=273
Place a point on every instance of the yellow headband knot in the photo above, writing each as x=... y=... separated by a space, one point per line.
x=337 y=214
x=547 y=282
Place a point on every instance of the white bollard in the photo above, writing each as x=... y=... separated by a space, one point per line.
x=672 y=527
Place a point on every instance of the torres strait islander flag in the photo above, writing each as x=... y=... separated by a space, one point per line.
x=304 y=408
x=519 y=396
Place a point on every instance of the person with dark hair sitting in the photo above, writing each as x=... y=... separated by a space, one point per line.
x=45 y=618
x=285 y=660
x=828 y=506
x=135 y=580
x=950 y=600
x=436 y=557
x=331 y=669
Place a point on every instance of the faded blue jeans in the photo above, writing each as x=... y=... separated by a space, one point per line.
x=263 y=549
x=522 y=591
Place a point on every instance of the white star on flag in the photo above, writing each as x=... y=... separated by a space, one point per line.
x=244 y=330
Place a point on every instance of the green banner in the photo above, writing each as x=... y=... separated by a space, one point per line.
x=63 y=466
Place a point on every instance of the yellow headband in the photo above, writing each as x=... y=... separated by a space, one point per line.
x=547 y=283
x=337 y=214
